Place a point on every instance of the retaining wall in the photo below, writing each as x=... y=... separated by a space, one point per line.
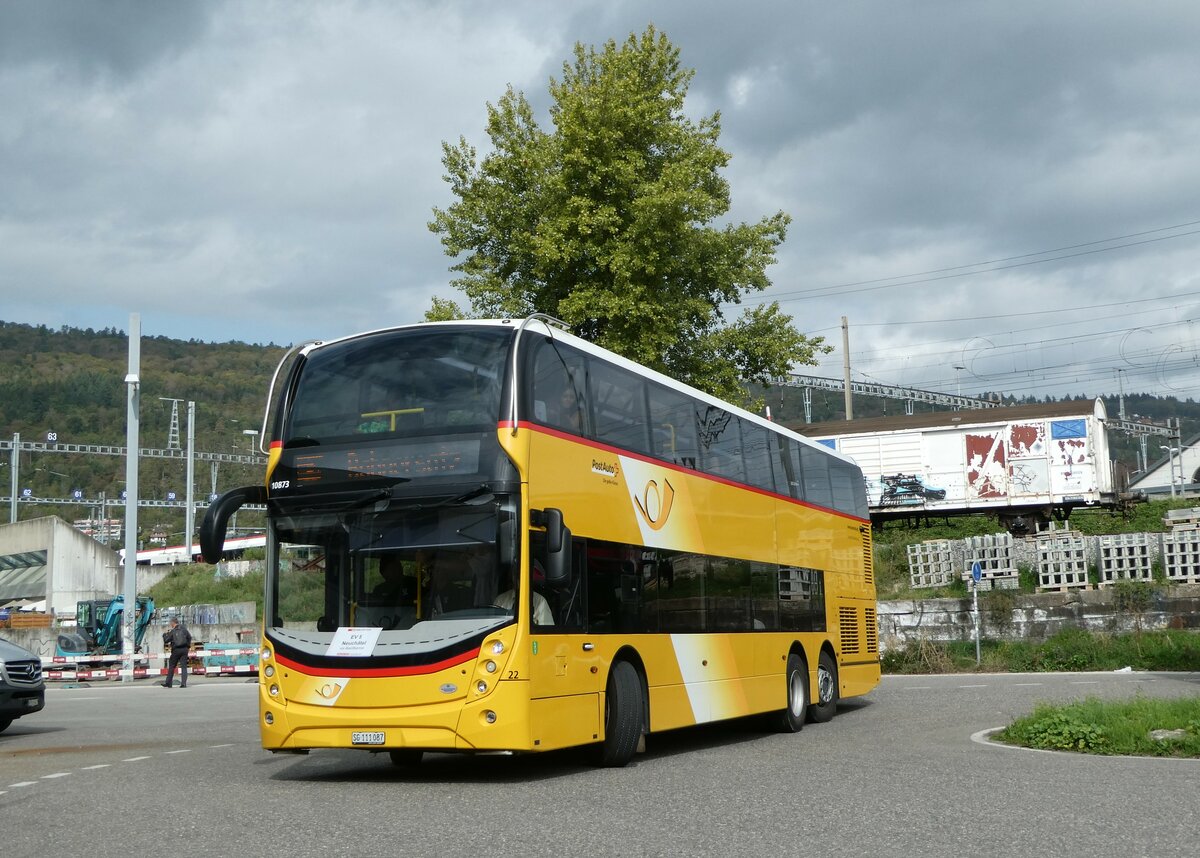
x=1034 y=617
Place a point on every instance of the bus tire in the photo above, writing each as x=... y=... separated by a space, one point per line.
x=790 y=719
x=825 y=704
x=406 y=758
x=622 y=716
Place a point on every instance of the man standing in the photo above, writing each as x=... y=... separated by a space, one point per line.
x=179 y=640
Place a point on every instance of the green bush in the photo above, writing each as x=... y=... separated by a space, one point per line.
x=1057 y=730
x=1111 y=727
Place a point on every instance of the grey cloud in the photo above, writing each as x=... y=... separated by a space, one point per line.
x=83 y=37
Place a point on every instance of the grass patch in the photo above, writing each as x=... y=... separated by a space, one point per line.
x=198 y=584
x=1069 y=650
x=1093 y=726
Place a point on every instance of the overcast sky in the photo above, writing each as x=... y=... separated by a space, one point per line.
x=1012 y=188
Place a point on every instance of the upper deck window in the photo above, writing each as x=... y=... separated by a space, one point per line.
x=428 y=381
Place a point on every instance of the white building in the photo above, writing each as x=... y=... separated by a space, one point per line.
x=1158 y=478
x=45 y=559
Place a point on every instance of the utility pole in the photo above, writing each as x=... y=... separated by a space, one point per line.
x=846 y=367
x=133 y=403
x=173 y=432
x=190 y=501
x=14 y=464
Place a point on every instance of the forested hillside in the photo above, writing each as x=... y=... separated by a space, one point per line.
x=71 y=382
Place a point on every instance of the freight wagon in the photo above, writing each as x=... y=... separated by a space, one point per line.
x=1026 y=464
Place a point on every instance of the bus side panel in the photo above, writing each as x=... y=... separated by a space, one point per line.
x=858 y=679
x=612 y=496
x=566 y=721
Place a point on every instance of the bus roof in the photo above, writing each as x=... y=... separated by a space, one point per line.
x=591 y=348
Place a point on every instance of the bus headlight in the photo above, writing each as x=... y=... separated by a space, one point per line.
x=497 y=647
x=481 y=686
x=269 y=671
x=266 y=653
x=274 y=690
x=490 y=667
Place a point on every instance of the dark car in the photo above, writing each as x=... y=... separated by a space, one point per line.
x=22 y=691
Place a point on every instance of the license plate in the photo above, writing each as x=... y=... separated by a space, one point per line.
x=360 y=737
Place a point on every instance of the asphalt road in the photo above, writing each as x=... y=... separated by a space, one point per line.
x=140 y=770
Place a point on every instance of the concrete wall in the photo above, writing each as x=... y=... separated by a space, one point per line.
x=1032 y=617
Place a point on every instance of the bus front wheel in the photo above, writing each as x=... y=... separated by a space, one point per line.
x=791 y=718
x=622 y=716
x=824 y=707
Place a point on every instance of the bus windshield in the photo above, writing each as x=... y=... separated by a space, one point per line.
x=396 y=569
x=405 y=383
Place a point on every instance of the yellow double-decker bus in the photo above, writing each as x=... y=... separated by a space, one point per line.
x=496 y=536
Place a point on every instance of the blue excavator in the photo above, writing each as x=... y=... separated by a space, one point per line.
x=98 y=625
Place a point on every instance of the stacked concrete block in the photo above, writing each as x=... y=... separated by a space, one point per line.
x=931 y=564
x=1181 y=555
x=1125 y=557
x=1062 y=560
x=1177 y=518
x=994 y=554
x=1181 y=546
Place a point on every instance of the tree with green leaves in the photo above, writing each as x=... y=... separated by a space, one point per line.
x=609 y=223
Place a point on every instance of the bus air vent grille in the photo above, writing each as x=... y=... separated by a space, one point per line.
x=848 y=622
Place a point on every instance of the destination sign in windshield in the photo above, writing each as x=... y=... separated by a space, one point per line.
x=409 y=460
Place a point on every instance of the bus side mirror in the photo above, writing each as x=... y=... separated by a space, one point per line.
x=558 y=547
x=216 y=520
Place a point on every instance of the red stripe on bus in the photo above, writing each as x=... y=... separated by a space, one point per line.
x=416 y=670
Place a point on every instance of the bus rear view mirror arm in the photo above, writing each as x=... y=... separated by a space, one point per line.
x=216 y=520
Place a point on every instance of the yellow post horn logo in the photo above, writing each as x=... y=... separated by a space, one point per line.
x=656 y=502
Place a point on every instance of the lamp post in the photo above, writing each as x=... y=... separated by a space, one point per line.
x=15 y=467
x=1171 y=465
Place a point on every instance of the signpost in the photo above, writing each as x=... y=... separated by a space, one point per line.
x=976 y=577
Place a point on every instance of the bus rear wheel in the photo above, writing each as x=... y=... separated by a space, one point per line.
x=622 y=716
x=791 y=718
x=824 y=707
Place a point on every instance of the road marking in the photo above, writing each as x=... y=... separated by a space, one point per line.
x=917 y=687
x=134 y=759
x=184 y=751
x=226 y=745
x=73 y=699
x=55 y=775
x=1084 y=682
x=972 y=686
x=1027 y=684
x=101 y=766
x=21 y=784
